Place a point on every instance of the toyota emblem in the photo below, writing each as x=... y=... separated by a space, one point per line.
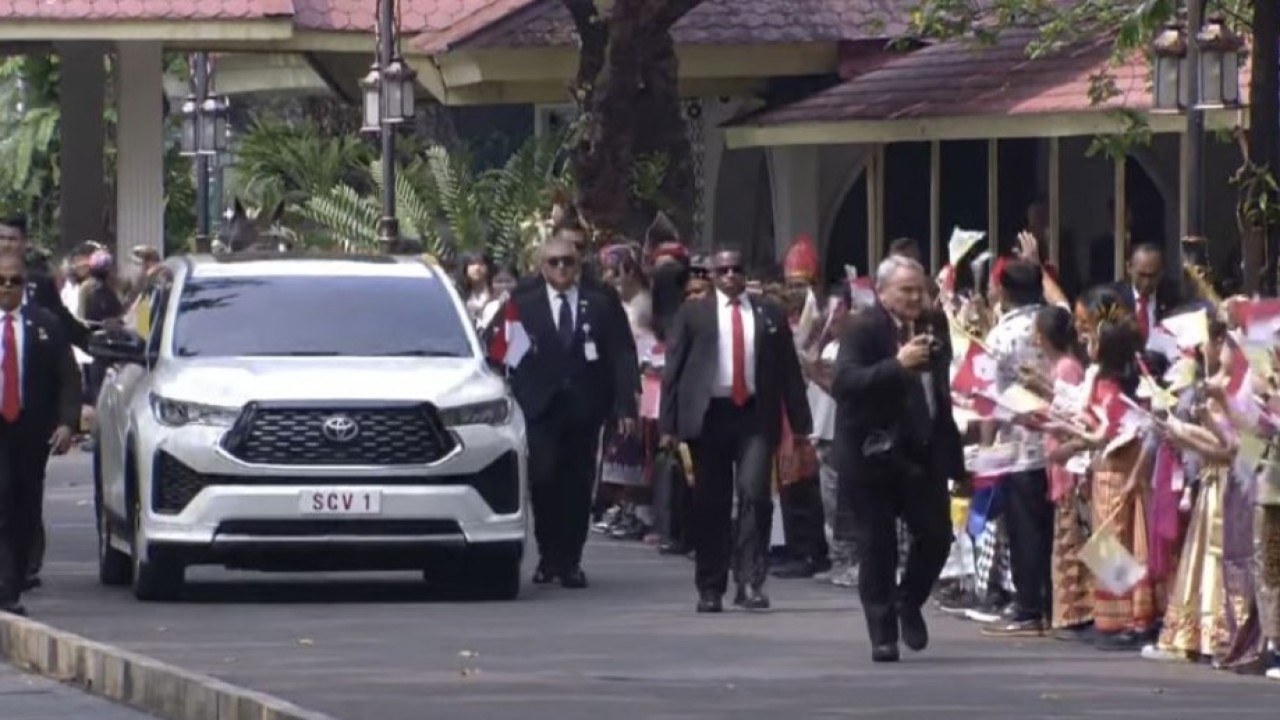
x=340 y=429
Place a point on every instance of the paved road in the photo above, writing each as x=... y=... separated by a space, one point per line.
x=26 y=697
x=629 y=647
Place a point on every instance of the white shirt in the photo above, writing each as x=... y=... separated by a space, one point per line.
x=724 y=377
x=822 y=405
x=571 y=296
x=70 y=295
x=18 y=335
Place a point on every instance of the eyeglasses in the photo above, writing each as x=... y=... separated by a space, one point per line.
x=12 y=281
x=563 y=261
x=729 y=270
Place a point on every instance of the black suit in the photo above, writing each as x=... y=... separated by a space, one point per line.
x=50 y=398
x=1168 y=298
x=566 y=396
x=729 y=442
x=43 y=293
x=895 y=454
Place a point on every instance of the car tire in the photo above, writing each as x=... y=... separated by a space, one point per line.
x=153 y=581
x=497 y=580
x=114 y=567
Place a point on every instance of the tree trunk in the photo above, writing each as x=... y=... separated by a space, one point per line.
x=1264 y=124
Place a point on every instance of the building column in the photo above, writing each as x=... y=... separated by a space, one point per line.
x=794 y=177
x=140 y=144
x=82 y=131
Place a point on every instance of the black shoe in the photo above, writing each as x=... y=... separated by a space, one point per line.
x=1076 y=633
x=32 y=583
x=1119 y=642
x=794 y=570
x=573 y=578
x=885 y=653
x=710 y=603
x=544 y=575
x=915 y=632
x=672 y=548
x=751 y=599
x=1014 y=628
x=13 y=608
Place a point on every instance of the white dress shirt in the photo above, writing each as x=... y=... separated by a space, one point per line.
x=571 y=296
x=18 y=335
x=724 y=377
x=70 y=295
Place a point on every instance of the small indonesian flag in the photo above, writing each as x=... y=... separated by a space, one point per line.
x=509 y=342
x=1260 y=319
x=862 y=292
x=974 y=379
x=1114 y=568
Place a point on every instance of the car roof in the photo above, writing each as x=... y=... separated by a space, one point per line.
x=307 y=265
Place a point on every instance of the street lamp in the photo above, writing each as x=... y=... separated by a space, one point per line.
x=1172 y=82
x=1219 y=64
x=204 y=136
x=387 y=103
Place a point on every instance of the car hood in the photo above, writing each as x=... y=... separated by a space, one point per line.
x=231 y=382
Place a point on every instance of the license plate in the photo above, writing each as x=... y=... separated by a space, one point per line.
x=340 y=502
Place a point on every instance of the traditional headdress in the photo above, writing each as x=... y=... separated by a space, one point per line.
x=801 y=262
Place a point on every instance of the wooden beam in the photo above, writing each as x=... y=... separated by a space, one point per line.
x=974 y=127
x=547 y=93
x=1055 y=204
x=1120 y=229
x=935 y=206
x=186 y=31
x=993 y=196
x=875 y=207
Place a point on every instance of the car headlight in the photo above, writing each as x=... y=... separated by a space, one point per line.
x=490 y=412
x=176 y=413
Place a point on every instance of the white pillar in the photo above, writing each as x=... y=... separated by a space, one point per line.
x=714 y=113
x=797 y=203
x=81 y=96
x=139 y=147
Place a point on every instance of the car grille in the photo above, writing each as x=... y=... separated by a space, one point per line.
x=174 y=484
x=287 y=435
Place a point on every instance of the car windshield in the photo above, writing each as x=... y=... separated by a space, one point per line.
x=317 y=316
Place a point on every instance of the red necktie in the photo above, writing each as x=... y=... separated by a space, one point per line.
x=739 y=388
x=1144 y=318
x=12 y=402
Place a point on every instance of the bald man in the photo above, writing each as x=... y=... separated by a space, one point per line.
x=581 y=372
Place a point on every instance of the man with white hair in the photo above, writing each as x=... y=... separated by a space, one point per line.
x=897 y=446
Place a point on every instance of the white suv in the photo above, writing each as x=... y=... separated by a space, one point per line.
x=307 y=413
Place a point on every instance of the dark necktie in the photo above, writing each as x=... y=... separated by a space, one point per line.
x=565 y=322
x=916 y=403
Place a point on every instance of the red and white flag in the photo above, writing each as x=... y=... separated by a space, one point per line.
x=509 y=342
x=975 y=379
x=1259 y=319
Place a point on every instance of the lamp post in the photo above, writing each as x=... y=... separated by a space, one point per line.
x=204 y=136
x=1193 y=75
x=388 y=103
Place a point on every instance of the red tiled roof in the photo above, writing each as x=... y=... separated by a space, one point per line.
x=124 y=10
x=959 y=79
x=415 y=15
x=546 y=23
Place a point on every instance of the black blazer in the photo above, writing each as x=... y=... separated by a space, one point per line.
x=550 y=373
x=43 y=293
x=1168 y=297
x=50 y=376
x=869 y=387
x=693 y=358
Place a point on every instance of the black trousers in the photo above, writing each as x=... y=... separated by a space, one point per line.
x=732 y=454
x=804 y=519
x=24 y=453
x=672 y=500
x=1029 y=521
x=562 y=474
x=875 y=503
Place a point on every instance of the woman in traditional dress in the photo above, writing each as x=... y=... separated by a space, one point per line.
x=1072 y=584
x=1123 y=621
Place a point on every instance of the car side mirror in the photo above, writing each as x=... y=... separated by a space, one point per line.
x=118 y=346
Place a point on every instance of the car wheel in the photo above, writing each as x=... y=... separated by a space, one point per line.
x=114 y=567
x=497 y=579
x=152 y=581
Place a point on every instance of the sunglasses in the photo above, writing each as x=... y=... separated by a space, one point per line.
x=12 y=281
x=563 y=261
x=729 y=270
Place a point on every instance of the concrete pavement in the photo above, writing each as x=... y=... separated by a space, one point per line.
x=384 y=648
x=27 y=697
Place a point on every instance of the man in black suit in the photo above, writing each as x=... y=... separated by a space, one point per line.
x=581 y=370
x=731 y=372
x=1148 y=293
x=897 y=444
x=39 y=406
x=41 y=292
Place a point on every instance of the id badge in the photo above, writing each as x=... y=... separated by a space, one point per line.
x=589 y=350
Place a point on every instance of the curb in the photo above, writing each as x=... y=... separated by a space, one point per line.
x=135 y=680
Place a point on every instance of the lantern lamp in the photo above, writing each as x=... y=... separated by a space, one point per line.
x=397 y=87
x=190 y=127
x=1172 y=80
x=1219 y=68
x=371 y=101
